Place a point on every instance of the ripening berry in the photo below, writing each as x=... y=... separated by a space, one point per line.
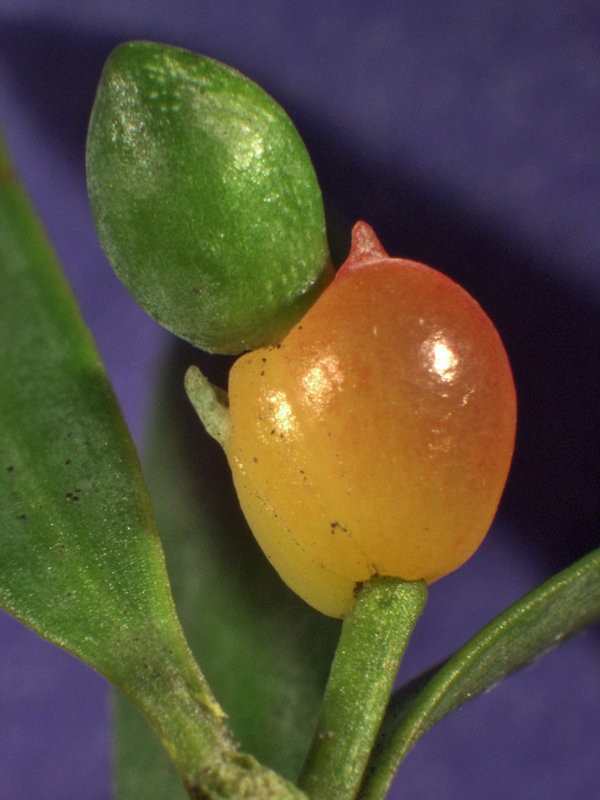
x=377 y=438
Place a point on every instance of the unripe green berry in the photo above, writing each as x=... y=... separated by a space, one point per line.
x=204 y=197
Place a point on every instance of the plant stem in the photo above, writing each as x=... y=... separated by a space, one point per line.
x=170 y=691
x=373 y=639
x=560 y=607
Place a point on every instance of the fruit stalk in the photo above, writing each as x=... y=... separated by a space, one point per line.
x=372 y=642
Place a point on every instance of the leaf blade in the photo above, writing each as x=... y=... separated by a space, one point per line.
x=80 y=558
x=52 y=376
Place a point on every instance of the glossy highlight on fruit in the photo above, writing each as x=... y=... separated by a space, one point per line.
x=376 y=440
x=204 y=198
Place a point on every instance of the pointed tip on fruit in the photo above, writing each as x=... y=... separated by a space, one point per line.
x=364 y=248
x=365 y=242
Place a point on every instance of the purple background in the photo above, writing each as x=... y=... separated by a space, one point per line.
x=468 y=134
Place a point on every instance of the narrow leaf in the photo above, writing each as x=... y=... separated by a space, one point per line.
x=80 y=558
x=560 y=607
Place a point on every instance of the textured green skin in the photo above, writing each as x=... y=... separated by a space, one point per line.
x=204 y=197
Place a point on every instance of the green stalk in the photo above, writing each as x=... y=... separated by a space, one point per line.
x=565 y=604
x=171 y=692
x=373 y=639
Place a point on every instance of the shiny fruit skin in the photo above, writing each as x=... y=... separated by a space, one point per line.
x=376 y=440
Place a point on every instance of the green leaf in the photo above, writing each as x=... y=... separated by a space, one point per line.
x=80 y=558
x=265 y=652
x=560 y=607
x=204 y=197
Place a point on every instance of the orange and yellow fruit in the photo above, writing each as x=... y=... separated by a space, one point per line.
x=377 y=437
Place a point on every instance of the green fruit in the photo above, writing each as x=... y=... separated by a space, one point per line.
x=204 y=197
